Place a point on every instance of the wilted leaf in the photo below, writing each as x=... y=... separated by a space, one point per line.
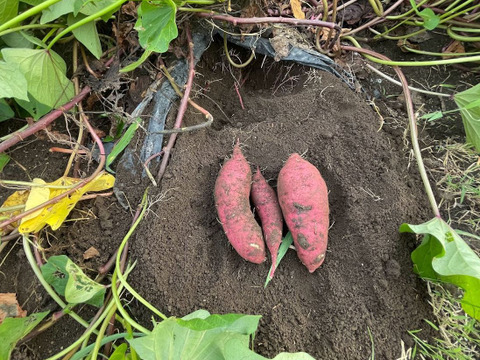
x=297 y=9
x=55 y=214
x=9 y=307
x=156 y=25
x=13 y=329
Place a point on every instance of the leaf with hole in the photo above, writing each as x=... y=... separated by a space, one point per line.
x=444 y=256
x=44 y=72
x=156 y=25
x=55 y=274
x=81 y=289
x=469 y=105
x=13 y=329
x=69 y=281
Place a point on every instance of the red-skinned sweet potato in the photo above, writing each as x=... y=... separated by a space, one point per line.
x=303 y=198
x=232 y=200
x=266 y=203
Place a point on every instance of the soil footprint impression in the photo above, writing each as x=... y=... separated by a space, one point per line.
x=185 y=261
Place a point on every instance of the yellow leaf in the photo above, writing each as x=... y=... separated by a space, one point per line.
x=17 y=198
x=55 y=214
x=37 y=196
x=297 y=9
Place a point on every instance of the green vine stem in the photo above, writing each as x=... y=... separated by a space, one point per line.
x=86 y=20
x=32 y=26
x=377 y=7
x=411 y=117
x=459 y=37
x=118 y=273
x=25 y=15
x=46 y=286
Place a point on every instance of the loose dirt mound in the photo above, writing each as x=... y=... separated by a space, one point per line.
x=185 y=261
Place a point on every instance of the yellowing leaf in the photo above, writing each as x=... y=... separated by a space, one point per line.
x=297 y=9
x=37 y=196
x=55 y=214
x=17 y=198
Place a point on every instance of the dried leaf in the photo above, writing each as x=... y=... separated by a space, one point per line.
x=90 y=253
x=297 y=9
x=455 y=47
x=9 y=307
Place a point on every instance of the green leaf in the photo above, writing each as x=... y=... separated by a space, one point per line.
x=81 y=289
x=443 y=255
x=467 y=102
x=87 y=34
x=4 y=159
x=177 y=338
x=16 y=40
x=135 y=64
x=90 y=7
x=32 y=2
x=55 y=274
x=68 y=280
x=236 y=350
x=5 y=111
x=12 y=83
x=8 y=10
x=56 y=10
x=13 y=329
x=432 y=116
x=44 y=71
x=119 y=353
x=122 y=144
x=286 y=242
x=156 y=24
x=430 y=19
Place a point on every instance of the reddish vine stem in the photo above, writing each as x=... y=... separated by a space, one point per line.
x=43 y=122
x=182 y=108
x=75 y=188
x=413 y=125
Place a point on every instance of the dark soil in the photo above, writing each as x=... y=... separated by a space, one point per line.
x=184 y=261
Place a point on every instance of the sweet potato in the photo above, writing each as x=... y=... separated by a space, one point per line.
x=266 y=203
x=303 y=198
x=232 y=200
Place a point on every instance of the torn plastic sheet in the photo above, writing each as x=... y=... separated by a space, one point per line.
x=305 y=57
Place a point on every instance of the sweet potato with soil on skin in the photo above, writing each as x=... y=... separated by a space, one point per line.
x=232 y=200
x=265 y=201
x=303 y=197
